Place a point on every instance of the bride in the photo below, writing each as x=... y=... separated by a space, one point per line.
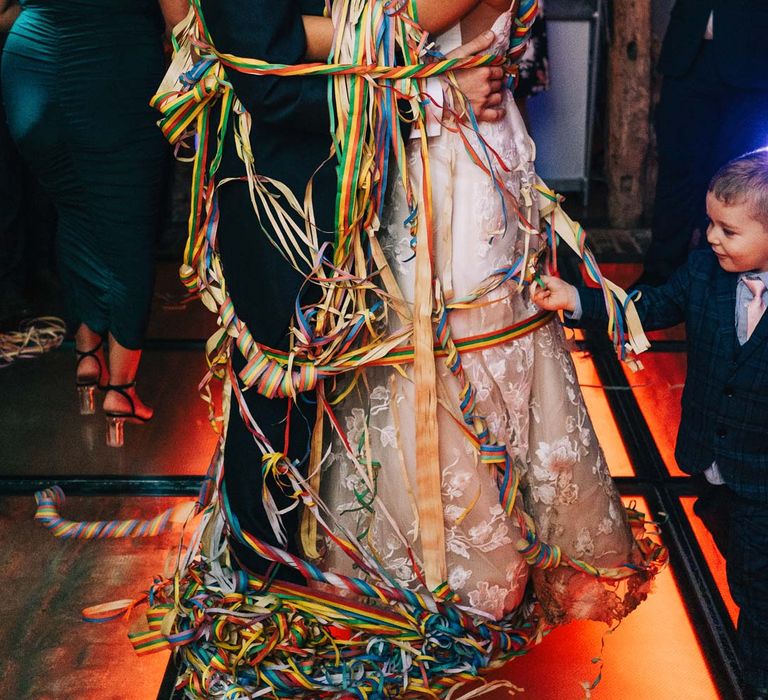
x=456 y=501
x=526 y=396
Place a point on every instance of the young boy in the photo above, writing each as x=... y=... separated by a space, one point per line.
x=721 y=295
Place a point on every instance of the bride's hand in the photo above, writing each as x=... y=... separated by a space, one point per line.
x=554 y=295
x=481 y=86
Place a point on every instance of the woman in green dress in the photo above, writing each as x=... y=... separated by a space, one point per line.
x=77 y=76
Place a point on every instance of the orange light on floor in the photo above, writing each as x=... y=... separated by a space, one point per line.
x=653 y=653
x=622 y=274
x=715 y=560
x=189 y=438
x=658 y=388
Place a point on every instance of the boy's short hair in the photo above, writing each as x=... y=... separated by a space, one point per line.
x=744 y=179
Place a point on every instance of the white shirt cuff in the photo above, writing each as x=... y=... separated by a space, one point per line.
x=575 y=315
x=713 y=476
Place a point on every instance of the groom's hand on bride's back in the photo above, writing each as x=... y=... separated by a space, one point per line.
x=481 y=86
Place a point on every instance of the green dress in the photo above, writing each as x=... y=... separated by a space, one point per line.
x=77 y=76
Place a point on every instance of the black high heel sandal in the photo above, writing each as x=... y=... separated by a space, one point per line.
x=116 y=419
x=86 y=386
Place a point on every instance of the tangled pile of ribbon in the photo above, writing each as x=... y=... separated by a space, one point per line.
x=238 y=638
x=34 y=337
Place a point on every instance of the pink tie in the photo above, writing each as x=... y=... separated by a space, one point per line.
x=755 y=307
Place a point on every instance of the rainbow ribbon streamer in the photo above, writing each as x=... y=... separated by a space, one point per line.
x=238 y=637
x=50 y=500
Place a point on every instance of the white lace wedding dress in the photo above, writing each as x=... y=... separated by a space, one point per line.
x=527 y=391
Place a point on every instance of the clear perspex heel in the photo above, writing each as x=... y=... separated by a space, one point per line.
x=115 y=431
x=86 y=398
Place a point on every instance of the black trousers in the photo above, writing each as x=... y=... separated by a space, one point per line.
x=243 y=479
x=739 y=528
x=701 y=123
x=747 y=568
x=263 y=288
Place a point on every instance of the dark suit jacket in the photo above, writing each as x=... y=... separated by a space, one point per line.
x=725 y=400
x=290 y=139
x=741 y=28
x=291 y=142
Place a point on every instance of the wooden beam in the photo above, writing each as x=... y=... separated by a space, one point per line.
x=629 y=106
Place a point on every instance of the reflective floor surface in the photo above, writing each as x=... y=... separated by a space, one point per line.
x=676 y=646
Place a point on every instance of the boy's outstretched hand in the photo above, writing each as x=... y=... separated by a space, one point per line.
x=555 y=294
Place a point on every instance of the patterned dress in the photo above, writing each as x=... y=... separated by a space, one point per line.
x=527 y=392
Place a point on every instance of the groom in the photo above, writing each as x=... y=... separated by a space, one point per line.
x=291 y=141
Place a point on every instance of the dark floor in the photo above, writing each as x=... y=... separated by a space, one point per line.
x=677 y=646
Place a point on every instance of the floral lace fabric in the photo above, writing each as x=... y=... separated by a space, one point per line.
x=527 y=391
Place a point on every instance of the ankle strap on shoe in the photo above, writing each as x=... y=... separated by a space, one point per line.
x=89 y=353
x=121 y=387
x=122 y=390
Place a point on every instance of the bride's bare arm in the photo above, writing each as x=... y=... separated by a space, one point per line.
x=319 y=33
x=173 y=11
x=434 y=16
x=482 y=86
x=502 y=5
x=484 y=15
x=437 y=15
x=9 y=11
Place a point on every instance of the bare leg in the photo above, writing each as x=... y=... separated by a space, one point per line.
x=94 y=368
x=124 y=364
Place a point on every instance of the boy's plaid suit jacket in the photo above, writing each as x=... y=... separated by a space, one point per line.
x=725 y=399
